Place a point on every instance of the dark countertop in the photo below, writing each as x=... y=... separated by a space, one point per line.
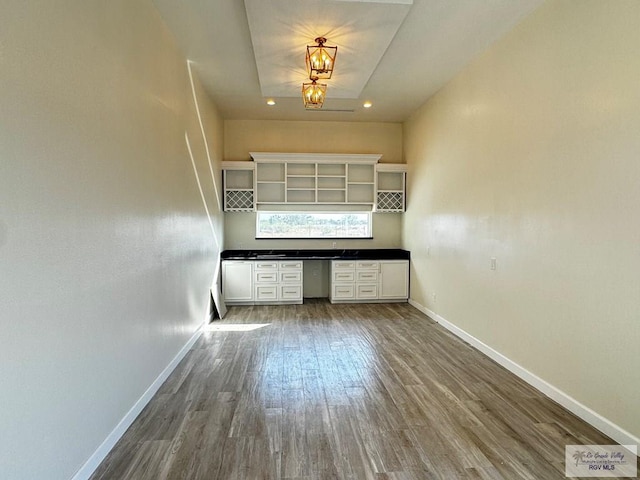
x=328 y=254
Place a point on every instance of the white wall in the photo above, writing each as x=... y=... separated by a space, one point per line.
x=106 y=253
x=531 y=155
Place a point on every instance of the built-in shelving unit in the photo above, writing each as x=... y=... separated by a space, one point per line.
x=391 y=186
x=238 y=186
x=318 y=179
x=313 y=179
x=301 y=182
x=361 y=184
x=331 y=183
x=270 y=183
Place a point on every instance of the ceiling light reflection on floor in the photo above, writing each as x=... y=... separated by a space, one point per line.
x=234 y=327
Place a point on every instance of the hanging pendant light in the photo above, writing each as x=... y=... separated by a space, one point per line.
x=320 y=59
x=313 y=94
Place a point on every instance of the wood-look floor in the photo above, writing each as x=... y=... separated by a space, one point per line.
x=343 y=392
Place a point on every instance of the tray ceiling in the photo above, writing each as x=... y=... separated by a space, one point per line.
x=394 y=53
x=282 y=29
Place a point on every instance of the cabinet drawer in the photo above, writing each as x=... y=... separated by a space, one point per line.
x=342 y=292
x=343 y=265
x=367 y=276
x=290 y=277
x=344 y=276
x=266 y=292
x=291 y=265
x=290 y=292
x=266 y=265
x=367 y=291
x=266 y=277
x=367 y=265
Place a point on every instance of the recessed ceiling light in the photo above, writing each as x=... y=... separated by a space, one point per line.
x=367 y=104
x=271 y=102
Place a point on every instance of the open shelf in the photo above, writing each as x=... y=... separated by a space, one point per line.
x=390 y=194
x=339 y=179
x=237 y=180
x=324 y=179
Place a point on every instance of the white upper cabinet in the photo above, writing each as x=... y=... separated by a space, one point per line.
x=238 y=184
x=313 y=179
x=390 y=191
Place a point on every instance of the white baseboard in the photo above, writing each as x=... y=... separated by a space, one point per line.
x=574 y=406
x=99 y=455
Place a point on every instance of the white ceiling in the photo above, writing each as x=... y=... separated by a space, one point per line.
x=394 y=53
x=362 y=32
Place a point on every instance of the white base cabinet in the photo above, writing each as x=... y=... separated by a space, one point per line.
x=248 y=282
x=237 y=281
x=262 y=282
x=369 y=281
x=394 y=280
x=278 y=281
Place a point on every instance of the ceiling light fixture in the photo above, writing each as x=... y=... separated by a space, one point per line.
x=320 y=59
x=313 y=94
x=271 y=102
x=367 y=104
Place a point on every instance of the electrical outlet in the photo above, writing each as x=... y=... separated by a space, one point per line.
x=434 y=296
x=333 y=244
x=493 y=263
x=428 y=251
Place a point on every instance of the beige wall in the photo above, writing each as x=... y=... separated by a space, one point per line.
x=244 y=136
x=240 y=232
x=531 y=156
x=106 y=253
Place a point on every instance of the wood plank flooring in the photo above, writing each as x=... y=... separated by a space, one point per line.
x=321 y=391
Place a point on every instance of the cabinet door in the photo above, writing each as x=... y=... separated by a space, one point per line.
x=394 y=280
x=237 y=281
